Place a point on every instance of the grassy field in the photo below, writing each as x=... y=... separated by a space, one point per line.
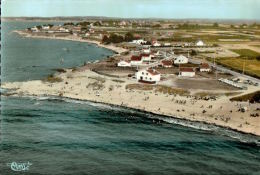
x=251 y=65
x=246 y=53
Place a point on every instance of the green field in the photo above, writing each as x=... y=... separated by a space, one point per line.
x=246 y=53
x=252 y=66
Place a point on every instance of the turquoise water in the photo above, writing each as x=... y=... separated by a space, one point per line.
x=29 y=59
x=62 y=136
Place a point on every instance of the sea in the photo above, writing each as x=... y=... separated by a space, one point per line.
x=57 y=136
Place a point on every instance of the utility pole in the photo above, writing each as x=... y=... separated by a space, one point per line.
x=244 y=65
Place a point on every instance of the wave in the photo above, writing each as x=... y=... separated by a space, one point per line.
x=242 y=137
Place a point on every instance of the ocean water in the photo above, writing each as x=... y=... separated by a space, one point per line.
x=62 y=136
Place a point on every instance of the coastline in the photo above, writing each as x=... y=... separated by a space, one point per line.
x=72 y=87
x=81 y=85
x=115 y=49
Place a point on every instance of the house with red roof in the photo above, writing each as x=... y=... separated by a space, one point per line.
x=148 y=76
x=167 y=63
x=186 y=72
x=136 y=60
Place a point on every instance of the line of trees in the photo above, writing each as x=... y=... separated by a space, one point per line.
x=115 y=38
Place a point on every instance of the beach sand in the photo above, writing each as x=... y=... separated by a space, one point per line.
x=88 y=85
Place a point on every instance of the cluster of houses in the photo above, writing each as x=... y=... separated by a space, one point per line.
x=145 y=62
x=65 y=29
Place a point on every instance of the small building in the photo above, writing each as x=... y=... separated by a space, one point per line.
x=35 y=29
x=146 y=50
x=167 y=44
x=181 y=60
x=156 y=44
x=139 y=41
x=186 y=72
x=166 y=63
x=136 y=60
x=45 y=27
x=124 y=63
x=200 y=43
x=146 y=57
x=148 y=75
x=204 y=67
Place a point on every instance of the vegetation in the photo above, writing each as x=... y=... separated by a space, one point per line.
x=252 y=97
x=99 y=79
x=118 y=81
x=237 y=63
x=53 y=79
x=247 y=53
x=115 y=38
x=158 y=88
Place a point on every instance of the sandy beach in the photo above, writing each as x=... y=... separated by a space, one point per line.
x=88 y=85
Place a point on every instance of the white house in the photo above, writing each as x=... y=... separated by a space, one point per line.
x=167 y=44
x=45 y=27
x=146 y=57
x=200 y=43
x=124 y=63
x=186 y=72
x=35 y=29
x=181 y=60
x=136 y=60
x=140 y=41
x=148 y=75
x=204 y=67
x=146 y=50
x=156 y=44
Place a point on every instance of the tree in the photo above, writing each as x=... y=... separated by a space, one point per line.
x=215 y=24
x=129 y=37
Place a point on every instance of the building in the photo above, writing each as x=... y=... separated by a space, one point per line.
x=166 y=63
x=181 y=60
x=146 y=50
x=186 y=72
x=148 y=75
x=146 y=57
x=200 y=43
x=136 y=60
x=124 y=63
x=139 y=41
x=35 y=29
x=45 y=27
x=204 y=67
x=156 y=44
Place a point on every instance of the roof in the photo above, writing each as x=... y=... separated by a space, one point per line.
x=127 y=61
x=153 y=71
x=204 y=66
x=167 y=62
x=136 y=58
x=186 y=69
x=181 y=56
x=145 y=55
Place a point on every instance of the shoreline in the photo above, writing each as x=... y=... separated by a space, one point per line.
x=115 y=49
x=78 y=86
x=144 y=112
x=83 y=84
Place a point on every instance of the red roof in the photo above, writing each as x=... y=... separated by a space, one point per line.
x=136 y=58
x=145 y=55
x=167 y=62
x=204 y=66
x=153 y=71
x=186 y=69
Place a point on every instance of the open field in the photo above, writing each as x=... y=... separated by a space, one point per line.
x=237 y=64
x=247 y=53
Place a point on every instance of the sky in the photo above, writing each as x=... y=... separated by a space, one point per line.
x=176 y=9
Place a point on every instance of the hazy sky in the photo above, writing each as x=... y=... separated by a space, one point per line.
x=217 y=9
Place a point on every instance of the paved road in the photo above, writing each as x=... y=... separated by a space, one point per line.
x=223 y=69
